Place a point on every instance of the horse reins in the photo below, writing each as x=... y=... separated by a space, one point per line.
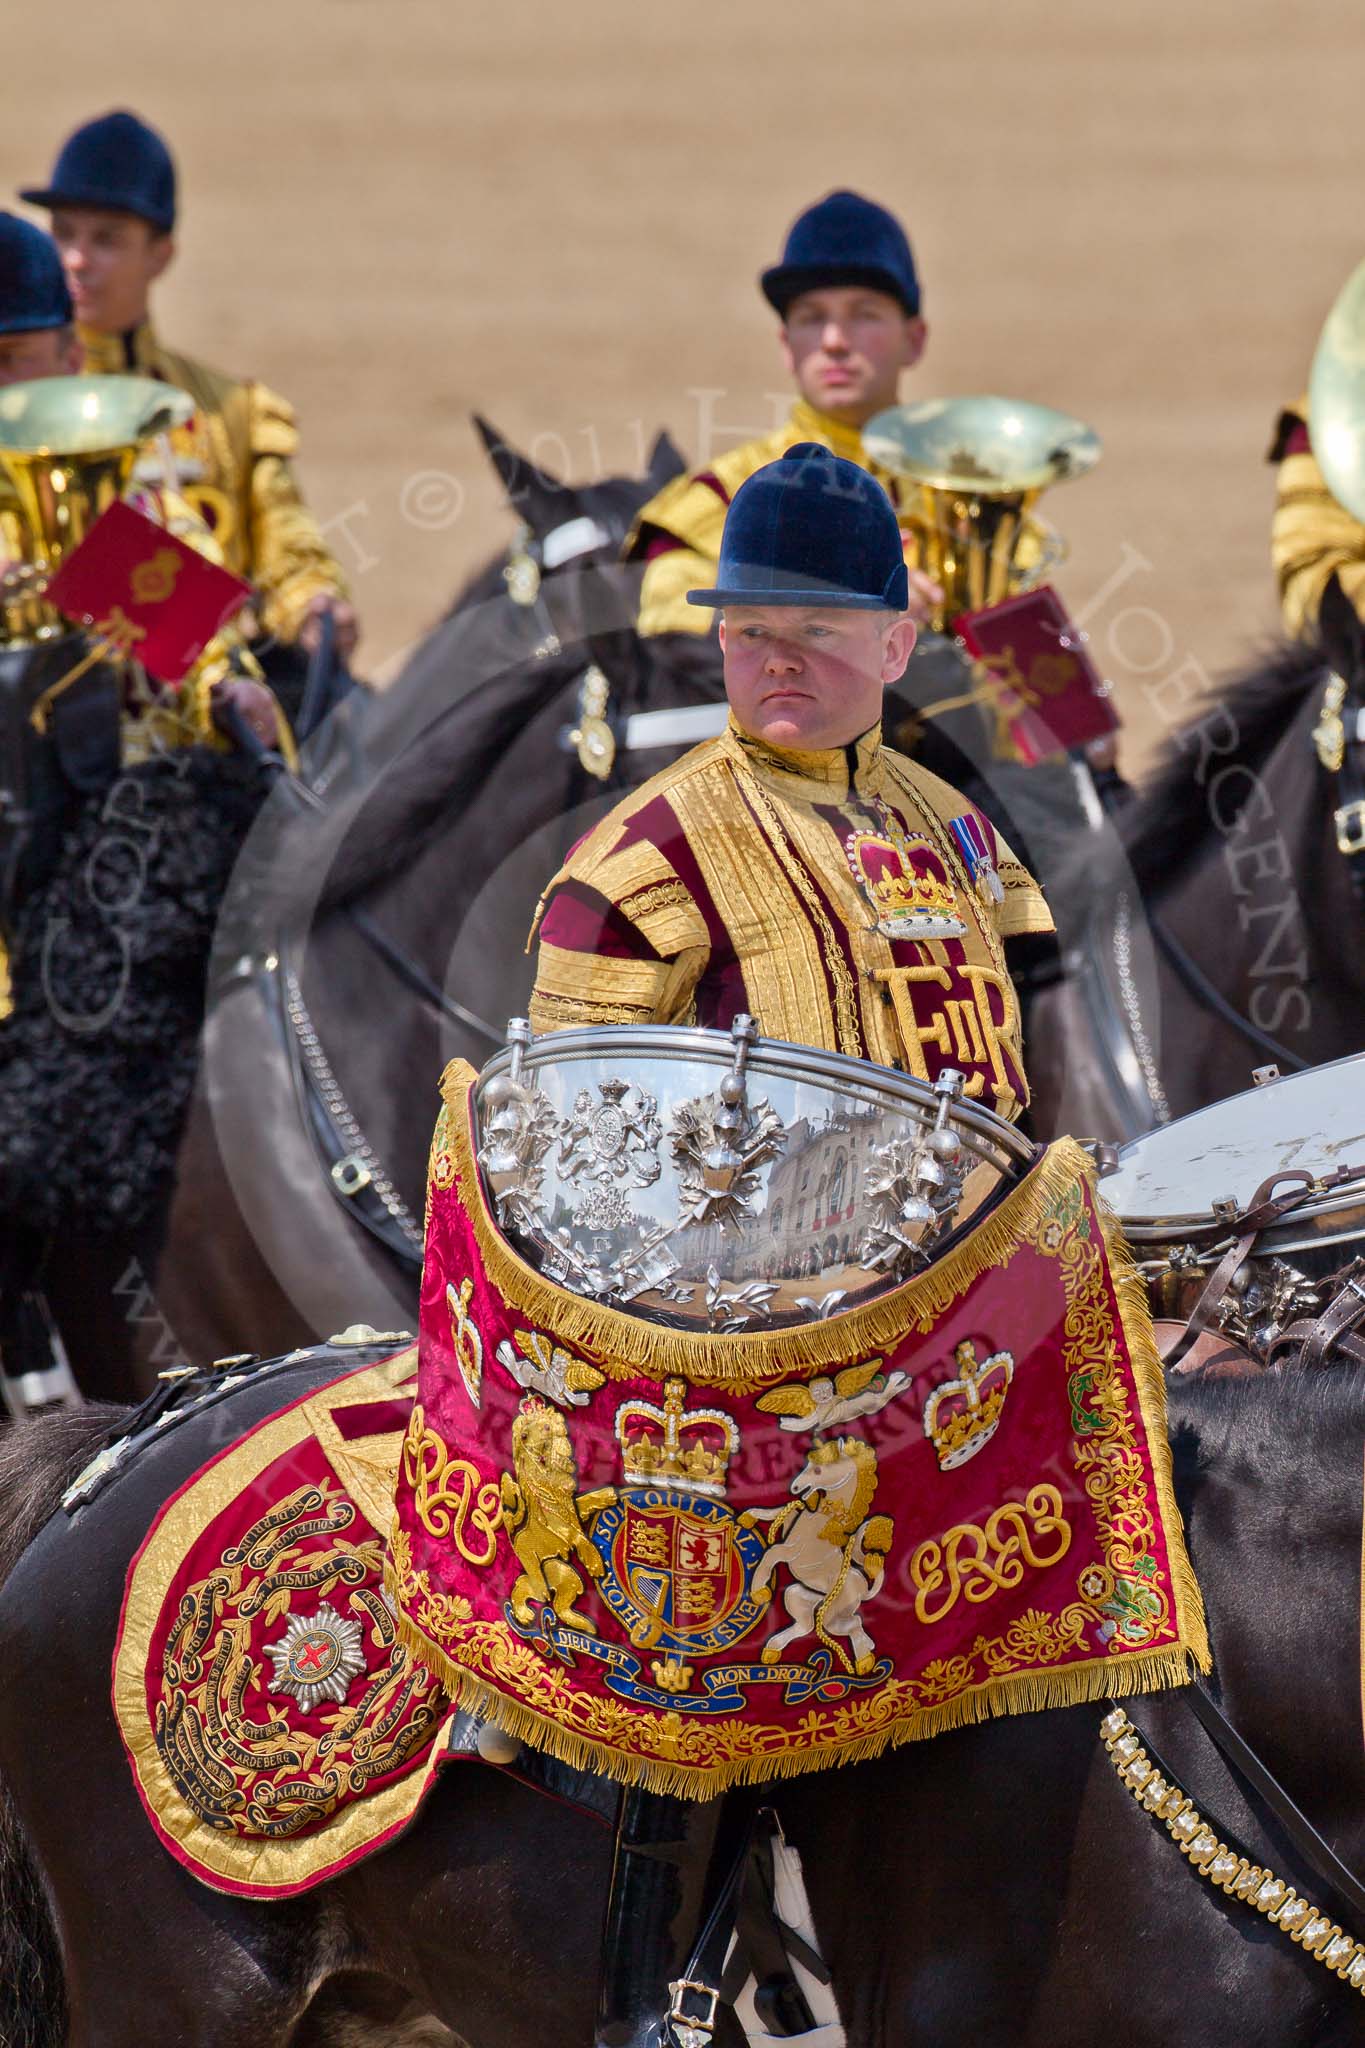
x=1218 y=1858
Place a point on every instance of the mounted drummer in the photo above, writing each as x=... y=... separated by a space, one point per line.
x=847 y=295
x=796 y=868
x=112 y=200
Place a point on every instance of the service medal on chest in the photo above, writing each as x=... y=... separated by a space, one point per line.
x=910 y=894
x=976 y=854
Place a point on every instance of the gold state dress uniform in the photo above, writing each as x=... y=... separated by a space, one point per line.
x=234 y=469
x=845 y=899
x=843 y=239
x=1313 y=537
x=234 y=455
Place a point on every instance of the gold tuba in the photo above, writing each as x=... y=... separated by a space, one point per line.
x=67 y=450
x=979 y=465
x=1336 y=397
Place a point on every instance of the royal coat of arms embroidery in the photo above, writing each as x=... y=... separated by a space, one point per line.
x=717 y=1557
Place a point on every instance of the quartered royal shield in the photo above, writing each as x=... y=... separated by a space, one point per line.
x=678 y=1570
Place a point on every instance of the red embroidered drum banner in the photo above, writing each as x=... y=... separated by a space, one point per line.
x=688 y=1560
x=277 y=1730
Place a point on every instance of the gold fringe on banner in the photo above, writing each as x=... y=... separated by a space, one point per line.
x=1022 y=1692
x=504 y=1679
x=627 y=1347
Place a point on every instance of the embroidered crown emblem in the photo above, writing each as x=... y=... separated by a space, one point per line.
x=666 y=1446
x=962 y=1415
x=908 y=904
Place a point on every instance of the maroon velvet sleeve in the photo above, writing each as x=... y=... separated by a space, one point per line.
x=580 y=920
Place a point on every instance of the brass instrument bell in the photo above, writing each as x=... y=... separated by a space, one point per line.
x=1336 y=397
x=67 y=450
x=978 y=466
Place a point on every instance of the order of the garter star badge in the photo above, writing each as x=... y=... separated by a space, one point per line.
x=317 y=1657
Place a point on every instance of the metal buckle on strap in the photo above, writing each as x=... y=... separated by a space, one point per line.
x=1350 y=822
x=350 y=1174
x=692 y=2015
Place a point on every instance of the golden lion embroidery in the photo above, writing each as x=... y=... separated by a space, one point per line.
x=834 y=1550
x=544 y=1516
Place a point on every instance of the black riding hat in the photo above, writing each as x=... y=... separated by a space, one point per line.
x=810 y=529
x=117 y=163
x=33 y=292
x=844 y=239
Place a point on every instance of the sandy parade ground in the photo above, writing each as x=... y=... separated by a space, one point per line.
x=556 y=215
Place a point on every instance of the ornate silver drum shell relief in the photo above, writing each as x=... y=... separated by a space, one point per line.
x=725 y=1182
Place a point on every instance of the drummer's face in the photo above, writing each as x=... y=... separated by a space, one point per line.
x=810 y=678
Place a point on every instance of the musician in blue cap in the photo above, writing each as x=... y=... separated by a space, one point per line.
x=847 y=295
x=37 y=321
x=796 y=868
x=112 y=199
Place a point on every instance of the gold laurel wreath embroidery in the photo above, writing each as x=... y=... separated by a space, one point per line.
x=273 y=1778
x=451 y=1497
x=977 y=1561
x=1106 y=1451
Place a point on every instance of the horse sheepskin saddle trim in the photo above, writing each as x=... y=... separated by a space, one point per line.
x=277 y=1728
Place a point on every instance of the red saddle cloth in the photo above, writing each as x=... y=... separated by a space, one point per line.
x=277 y=1728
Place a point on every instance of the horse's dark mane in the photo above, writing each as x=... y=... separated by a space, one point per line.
x=416 y=794
x=1172 y=812
x=1217 y=1419
x=376 y=832
x=38 y=1460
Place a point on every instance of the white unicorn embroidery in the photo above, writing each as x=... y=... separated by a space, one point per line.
x=834 y=1550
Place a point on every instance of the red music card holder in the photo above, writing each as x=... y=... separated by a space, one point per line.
x=1034 y=670
x=145 y=592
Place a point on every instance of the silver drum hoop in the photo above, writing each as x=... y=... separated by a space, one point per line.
x=721 y=1181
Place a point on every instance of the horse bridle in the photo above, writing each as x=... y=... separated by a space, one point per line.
x=1339 y=739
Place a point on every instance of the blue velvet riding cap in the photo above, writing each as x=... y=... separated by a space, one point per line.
x=33 y=291
x=118 y=163
x=810 y=529
x=844 y=239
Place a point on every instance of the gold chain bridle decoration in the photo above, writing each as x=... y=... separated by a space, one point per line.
x=1226 y=1868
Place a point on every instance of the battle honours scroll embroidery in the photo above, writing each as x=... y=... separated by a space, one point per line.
x=755 y=1554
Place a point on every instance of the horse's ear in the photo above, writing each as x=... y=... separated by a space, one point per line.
x=665 y=462
x=533 y=494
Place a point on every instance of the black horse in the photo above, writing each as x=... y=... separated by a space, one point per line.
x=396 y=923
x=1225 y=923
x=994 y=1888
x=449 y=801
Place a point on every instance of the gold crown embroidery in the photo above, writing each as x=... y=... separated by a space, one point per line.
x=962 y=1415
x=675 y=1448
x=908 y=905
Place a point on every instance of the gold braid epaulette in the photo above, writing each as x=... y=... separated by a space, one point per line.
x=1225 y=1867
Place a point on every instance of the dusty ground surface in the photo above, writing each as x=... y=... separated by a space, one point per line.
x=556 y=215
